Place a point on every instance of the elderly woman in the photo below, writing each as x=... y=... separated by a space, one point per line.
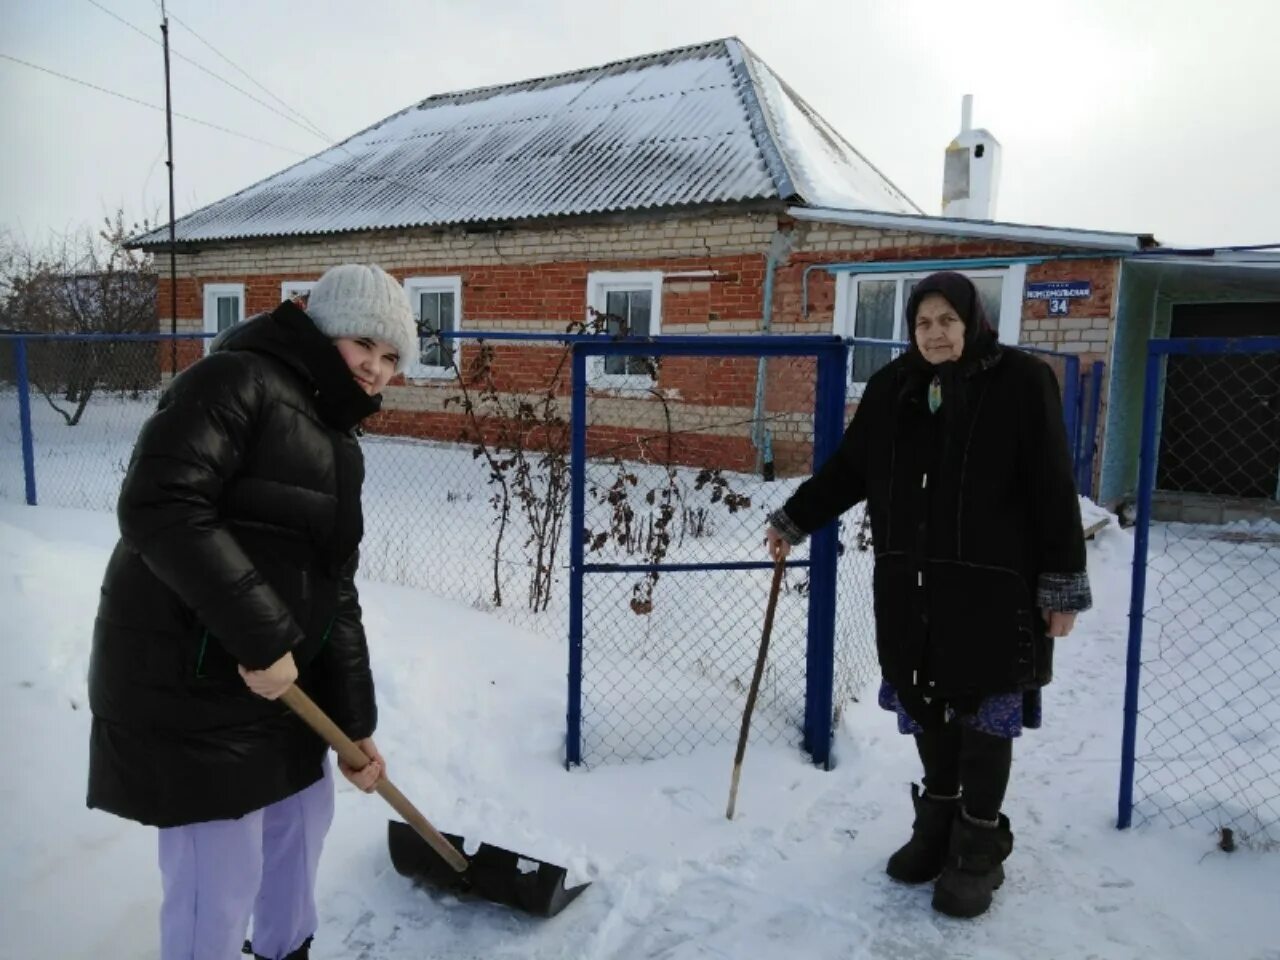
x=958 y=448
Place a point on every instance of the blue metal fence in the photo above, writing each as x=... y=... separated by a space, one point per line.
x=1200 y=703
x=828 y=413
x=24 y=420
x=836 y=653
x=21 y=345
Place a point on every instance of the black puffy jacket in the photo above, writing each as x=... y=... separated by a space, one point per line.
x=974 y=519
x=240 y=523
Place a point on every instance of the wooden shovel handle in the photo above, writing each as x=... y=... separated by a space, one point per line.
x=357 y=759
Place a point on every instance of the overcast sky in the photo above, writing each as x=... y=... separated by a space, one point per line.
x=1158 y=116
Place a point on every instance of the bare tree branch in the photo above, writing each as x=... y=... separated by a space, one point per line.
x=81 y=282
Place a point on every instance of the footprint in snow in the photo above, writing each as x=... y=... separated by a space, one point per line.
x=836 y=816
x=1113 y=881
x=686 y=799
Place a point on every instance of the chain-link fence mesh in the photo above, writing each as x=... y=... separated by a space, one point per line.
x=466 y=486
x=856 y=662
x=671 y=479
x=676 y=679
x=87 y=402
x=435 y=521
x=466 y=497
x=1205 y=729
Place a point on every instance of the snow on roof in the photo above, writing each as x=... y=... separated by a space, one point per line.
x=1104 y=240
x=705 y=124
x=826 y=169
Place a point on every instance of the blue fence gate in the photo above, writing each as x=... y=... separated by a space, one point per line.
x=668 y=574
x=1202 y=695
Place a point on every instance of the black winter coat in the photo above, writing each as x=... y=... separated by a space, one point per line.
x=240 y=522
x=975 y=523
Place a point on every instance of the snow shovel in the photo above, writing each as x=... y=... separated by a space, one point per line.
x=778 y=567
x=422 y=853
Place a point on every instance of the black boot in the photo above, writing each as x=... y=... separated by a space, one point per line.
x=921 y=858
x=974 y=867
x=302 y=953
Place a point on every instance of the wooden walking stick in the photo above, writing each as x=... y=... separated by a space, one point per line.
x=779 y=567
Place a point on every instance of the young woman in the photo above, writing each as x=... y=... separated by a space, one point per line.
x=240 y=522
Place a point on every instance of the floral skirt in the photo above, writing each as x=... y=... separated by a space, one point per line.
x=1001 y=714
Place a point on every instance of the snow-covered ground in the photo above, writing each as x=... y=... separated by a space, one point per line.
x=1209 y=730
x=429 y=524
x=473 y=726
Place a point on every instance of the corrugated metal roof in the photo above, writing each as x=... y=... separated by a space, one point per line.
x=706 y=124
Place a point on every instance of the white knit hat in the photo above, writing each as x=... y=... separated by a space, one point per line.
x=358 y=300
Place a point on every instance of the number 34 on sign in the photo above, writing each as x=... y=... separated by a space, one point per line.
x=1058 y=294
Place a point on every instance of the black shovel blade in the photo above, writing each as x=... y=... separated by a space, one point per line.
x=495 y=874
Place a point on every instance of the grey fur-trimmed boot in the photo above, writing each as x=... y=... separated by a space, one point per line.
x=922 y=857
x=975 y=866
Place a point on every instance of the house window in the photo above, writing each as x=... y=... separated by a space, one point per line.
x=437 y=307
x=223 y=307
x=624 y=304
x=873 y=306
x=297 y=290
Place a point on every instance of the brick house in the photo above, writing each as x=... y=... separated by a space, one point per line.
x=691 y=191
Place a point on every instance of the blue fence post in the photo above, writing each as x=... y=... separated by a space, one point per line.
x=577 y=524
x=820 y=659
x=1137 y=595
x=1089 y=442
x=24 y=421
x=1071 y=406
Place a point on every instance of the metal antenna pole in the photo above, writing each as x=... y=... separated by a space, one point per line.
x=173 y=257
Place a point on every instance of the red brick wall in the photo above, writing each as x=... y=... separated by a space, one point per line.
x=1101 y=274
x=554 y=295
x=550 y=296
x=555 y=292
x=1086 y=330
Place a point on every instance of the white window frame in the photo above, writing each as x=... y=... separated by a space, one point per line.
x=599 y=284
x=1008 y=325
x=212 y=293
x=415 y=287
x=294 y=288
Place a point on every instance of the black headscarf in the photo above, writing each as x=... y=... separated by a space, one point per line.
x=959 y=291
x=980 y=347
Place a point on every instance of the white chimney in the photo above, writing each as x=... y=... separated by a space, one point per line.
x=971 y=173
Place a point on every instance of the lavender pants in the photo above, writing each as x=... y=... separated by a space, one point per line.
x=219 y=873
